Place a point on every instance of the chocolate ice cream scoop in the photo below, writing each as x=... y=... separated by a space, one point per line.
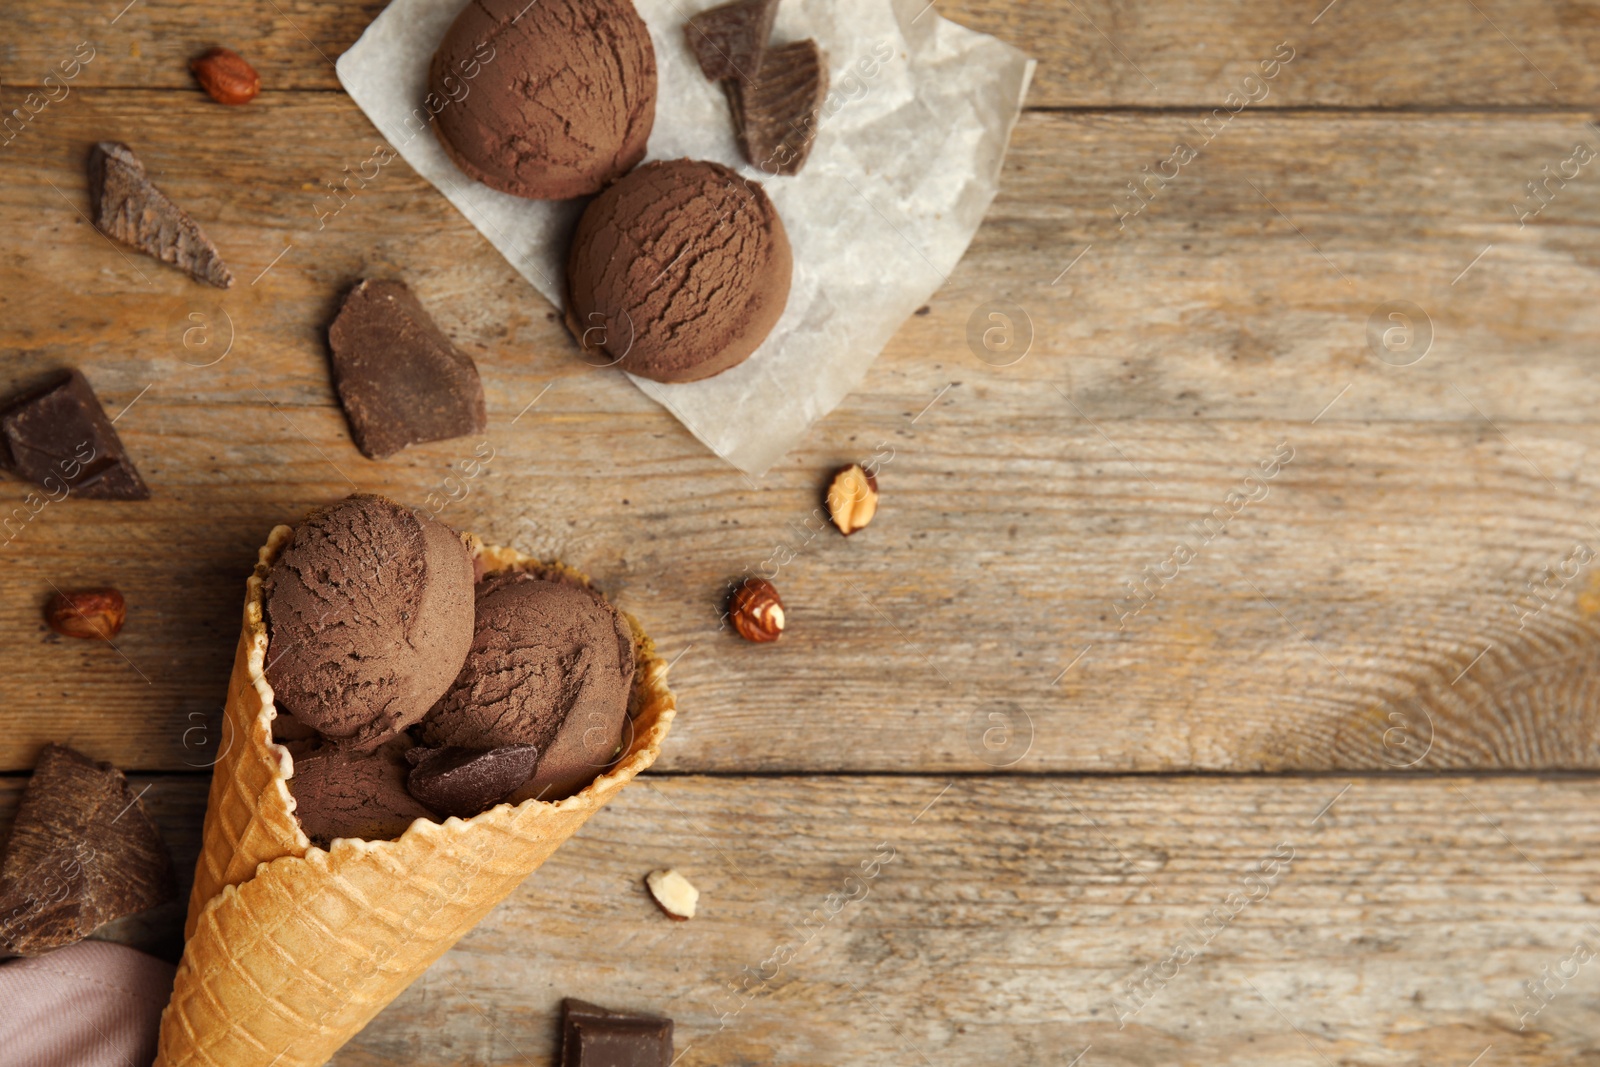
x=369 y=616
x=547 y=100
x=551 y=666
x=341 y=793
x=677 y=272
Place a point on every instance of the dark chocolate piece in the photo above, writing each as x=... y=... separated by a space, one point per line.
x=128 y=208
x=592 y=1036
x=730 y=41
x=57 y=436
x=82 y=852
x=466 y=781
x=400 y=379
x=776 y=116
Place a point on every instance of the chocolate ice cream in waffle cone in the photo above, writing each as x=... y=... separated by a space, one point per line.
x=291 y=948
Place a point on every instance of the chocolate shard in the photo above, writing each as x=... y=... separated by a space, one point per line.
x=776 y=115
x=730 y=41
x=399 y=378
x=465 y=781
x=57 y=436
x=82 y=852
x=592 y=1036
x=130 y=209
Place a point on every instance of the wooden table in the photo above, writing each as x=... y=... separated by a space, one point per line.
x=1318 y=789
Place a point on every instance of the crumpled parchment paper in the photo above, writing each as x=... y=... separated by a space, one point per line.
x=906 y=162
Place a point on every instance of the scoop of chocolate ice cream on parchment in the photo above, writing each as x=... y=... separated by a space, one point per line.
x=369 y=613
x=547 y=100
x=677 y=272
x=551 y=665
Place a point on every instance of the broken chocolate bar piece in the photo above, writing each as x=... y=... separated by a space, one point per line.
x=399 y=378
x=128 y=208
x=730 y=41
x=57 y=436
x=776 y=115
x=82 y=852
x=465 y=781
x=592 y=1036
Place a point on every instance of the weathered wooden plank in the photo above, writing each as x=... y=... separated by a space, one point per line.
x=1251 y=281
x=1168 y=364
x=1094 y=53
x=1395 y=922
x=1243 y=287
x=1396 y=928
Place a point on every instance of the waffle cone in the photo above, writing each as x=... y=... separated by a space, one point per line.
x=292 y=949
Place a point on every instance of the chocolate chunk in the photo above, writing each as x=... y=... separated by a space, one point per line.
x=776 y=115
x=730 y=41
x=82 y=852
x=592 y=1036
x=400 y=379
x=57 y=435
x=465 y=781
x=128 y=208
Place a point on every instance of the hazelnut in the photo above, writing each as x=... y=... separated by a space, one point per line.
x=226 y=77
x=852 y=498
x=756 y=611
x=87 y=613
x=673 y=893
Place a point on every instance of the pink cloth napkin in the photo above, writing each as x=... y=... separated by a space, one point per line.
x=93 y=1004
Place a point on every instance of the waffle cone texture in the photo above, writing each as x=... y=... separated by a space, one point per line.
x=292 y=949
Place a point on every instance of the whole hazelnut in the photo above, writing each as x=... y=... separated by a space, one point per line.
x=86 y=613
x=756 y=611
x=226 y=77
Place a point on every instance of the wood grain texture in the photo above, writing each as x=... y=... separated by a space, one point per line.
x=1331 y=624
x=1091 y=53
x=1398 y=924
x=1414 y=590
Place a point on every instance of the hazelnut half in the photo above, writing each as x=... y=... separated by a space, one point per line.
x=673 y=894
x=756 y=611
x=87 y=613
x=853 y=498
x=226 y=77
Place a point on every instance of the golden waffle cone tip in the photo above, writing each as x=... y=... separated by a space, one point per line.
x=292 y=949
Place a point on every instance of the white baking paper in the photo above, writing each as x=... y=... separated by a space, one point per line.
x=905 y=164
